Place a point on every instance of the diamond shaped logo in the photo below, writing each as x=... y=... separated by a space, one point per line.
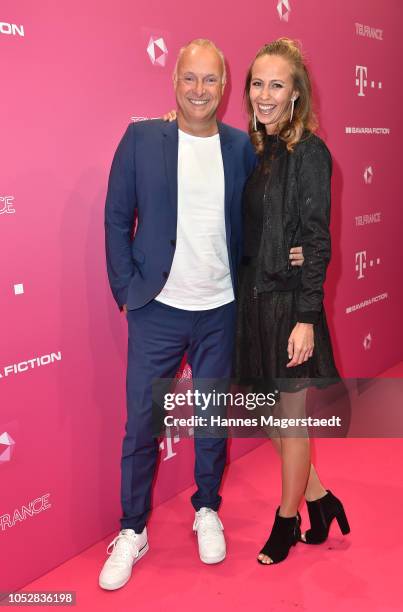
x=368 y=174
x=367 y=342
x=6 y=447
x=157 y=51
x=284 y=9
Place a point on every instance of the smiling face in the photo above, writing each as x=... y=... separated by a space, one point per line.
x=198 y=85
x=271 y=90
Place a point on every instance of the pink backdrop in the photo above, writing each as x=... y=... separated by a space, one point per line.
x=74 y=73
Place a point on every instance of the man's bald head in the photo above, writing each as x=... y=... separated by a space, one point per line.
x=206 y=44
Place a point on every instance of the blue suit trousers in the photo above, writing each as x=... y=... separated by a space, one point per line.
x=159 y=336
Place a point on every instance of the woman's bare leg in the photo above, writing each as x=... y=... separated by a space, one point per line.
x=295 y=459
x=295 y=463
x=314 y=488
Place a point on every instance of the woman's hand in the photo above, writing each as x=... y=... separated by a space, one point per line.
x=300 y=344
x=296 y=256
x=170 y=116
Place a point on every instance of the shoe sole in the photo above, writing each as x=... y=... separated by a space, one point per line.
x=119 y=585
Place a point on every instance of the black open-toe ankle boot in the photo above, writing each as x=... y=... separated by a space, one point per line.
x=285 y=533
x=321 y=512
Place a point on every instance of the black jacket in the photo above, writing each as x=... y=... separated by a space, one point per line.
x=297 y=212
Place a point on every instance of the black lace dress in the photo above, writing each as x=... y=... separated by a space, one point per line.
x=265 y=320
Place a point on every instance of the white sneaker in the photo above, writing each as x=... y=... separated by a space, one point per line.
x=210 y=536
x=127 y=548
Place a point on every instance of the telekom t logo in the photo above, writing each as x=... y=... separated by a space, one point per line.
x=361 y=80
x=361 y=263
x=171 y=439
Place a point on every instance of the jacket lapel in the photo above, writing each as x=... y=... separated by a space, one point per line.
x=229 y=170
x=170 y=144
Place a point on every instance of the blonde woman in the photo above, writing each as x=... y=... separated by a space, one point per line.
x=282 y=334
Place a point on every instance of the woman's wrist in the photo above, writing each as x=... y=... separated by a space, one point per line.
x=308 y=317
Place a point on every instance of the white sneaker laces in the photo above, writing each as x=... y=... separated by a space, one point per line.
x=123 y=548
x=208 y=524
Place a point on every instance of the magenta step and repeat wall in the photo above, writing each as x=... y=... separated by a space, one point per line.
x=74 y=74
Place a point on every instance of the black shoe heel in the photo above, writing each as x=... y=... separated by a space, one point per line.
x=341 y=518
x=321 y=514
x=285 y=533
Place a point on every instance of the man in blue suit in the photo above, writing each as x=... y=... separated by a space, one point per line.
x=176 y=281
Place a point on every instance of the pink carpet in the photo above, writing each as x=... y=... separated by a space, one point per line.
x=359 y=572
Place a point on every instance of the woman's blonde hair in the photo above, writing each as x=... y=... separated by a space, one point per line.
x=304 y=117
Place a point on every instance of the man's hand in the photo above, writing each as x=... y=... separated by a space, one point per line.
x=170 y=116
x=300 y=344
x=296 y=256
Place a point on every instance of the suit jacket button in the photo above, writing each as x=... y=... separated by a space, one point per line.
x=173 y=243
x=165 y=274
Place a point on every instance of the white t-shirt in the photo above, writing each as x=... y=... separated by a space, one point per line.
x=200 y=276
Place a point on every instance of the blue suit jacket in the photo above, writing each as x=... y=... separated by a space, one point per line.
x=144 y=178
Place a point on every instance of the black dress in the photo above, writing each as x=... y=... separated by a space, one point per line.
x=266 y=319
